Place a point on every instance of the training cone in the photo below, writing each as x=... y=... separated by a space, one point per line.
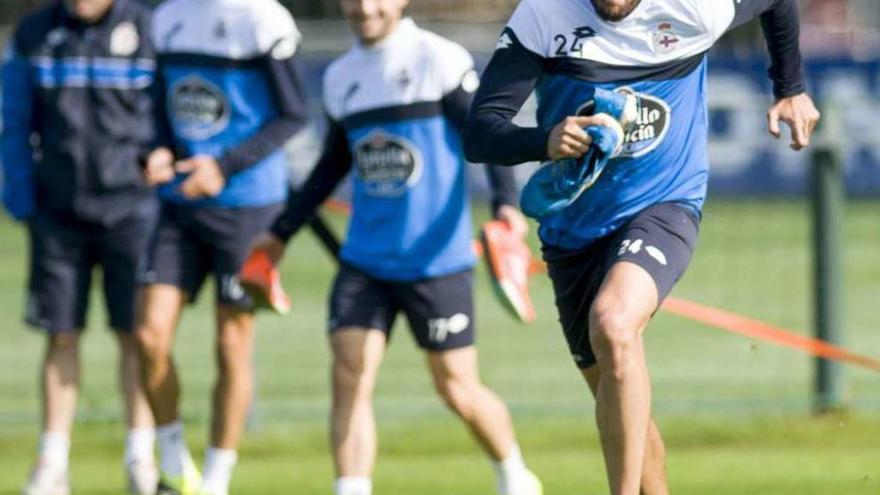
x=262 y=281
x=510 y=261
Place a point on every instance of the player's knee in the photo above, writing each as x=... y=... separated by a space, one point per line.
x=614 y=337
x=152 y=344
x=64 y=343
x=350 y=371
x=457 y=395
x=233 y=352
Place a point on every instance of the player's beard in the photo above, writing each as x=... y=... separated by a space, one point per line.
x=614 y=10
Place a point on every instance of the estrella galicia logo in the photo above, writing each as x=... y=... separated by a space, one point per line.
x=650 y=127
x=387 y=165
x=198 y=108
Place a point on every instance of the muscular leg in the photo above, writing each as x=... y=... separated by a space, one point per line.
x=654 y=469
x=234 y=389
x=618 y=317
x=357 y=354
x=457 y=380
x=158 y=312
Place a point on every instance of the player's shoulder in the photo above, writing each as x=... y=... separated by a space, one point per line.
x=340 y=68
x=33 y=28
x=271 y=23
x=269 y=13
x=338 y=77
x=440 y=49
x=533 y=20
x=168 y=12
x=446 y=62
x=713 y=15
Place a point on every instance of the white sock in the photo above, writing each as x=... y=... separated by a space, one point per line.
x=219 y=464
x=351 y=485
x=172 y=448
x=510 y=470
x=55 y=449
x=139 y=445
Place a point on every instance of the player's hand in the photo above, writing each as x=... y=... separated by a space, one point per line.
x=801 y=116
x=159 y=167
x=205 y=179
x=271 y=245
x=515 y=219
x=569 y=139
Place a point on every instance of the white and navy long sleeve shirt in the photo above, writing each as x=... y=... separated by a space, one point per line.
x=396 y=111
x=563 y=50
x=231 y=91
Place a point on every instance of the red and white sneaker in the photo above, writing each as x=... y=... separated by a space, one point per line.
x=262 y=281
x=510 y=262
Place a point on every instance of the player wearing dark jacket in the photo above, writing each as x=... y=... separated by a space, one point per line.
x=77 y=115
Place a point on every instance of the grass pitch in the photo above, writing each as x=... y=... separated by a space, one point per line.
x=734 y=412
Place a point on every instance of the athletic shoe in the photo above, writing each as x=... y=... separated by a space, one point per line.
x=143 y=477
x=558 y=184
x=262 y=281
x=47 y=480
x=526 y=484
x=190 y=483
x=509 y=261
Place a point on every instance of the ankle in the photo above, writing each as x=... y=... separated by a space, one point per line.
x=219 y=464
x=54 y=450
x=172 y=448
x=139 y=443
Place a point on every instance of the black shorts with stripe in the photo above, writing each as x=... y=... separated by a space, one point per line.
x=440 y=310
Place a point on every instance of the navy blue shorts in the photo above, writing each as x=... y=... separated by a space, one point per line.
x=64 y=253
x=440 y=310
x=191 y=243
x=660 y=239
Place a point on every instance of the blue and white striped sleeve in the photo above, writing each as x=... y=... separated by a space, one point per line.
x=18 y=126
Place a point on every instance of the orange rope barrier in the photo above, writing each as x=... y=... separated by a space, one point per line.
x=755 y=329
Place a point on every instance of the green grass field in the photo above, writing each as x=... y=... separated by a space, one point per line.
x=735 y=412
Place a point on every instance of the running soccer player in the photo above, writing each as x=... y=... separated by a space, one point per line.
x=396 y=103
x=77 y=112
x=232 y=100
x=616 y=251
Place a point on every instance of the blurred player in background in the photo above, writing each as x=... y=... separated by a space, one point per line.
x=77 y=114
x=616 y=252
x=396 y=104
x=233 y=99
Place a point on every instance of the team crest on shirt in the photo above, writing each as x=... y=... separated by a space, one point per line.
x=124 y=40
x=650 y=127
x=198 y=109
x=664 y=39
x=57 y=37
x=387 y=165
